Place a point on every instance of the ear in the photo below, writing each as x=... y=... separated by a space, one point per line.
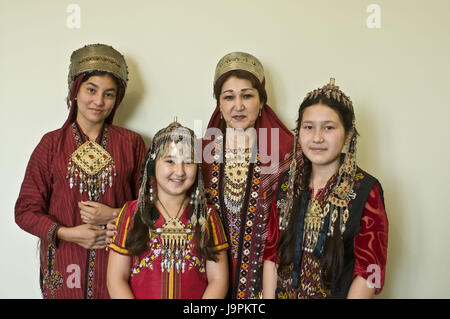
x=348 y=139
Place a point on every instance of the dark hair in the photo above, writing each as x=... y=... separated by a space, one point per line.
x=90 y=74
x=137 y=241
x=240 y=74
x=333 y=258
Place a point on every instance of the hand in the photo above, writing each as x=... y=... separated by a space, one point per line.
x=95 y=213
x=111 y=231
x=86 y=235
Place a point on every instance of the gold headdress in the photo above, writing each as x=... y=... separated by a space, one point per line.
x=239 y=61
x=98 y=57
x=332 y=91
x=175 y=133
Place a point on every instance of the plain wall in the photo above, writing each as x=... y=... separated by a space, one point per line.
x=397 y=77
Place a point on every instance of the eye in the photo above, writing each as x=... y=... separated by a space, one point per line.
x=228 y=97
x=110 y=95
x=247 y=96
x=169 y=161
x=329 y=127
x=91 y=90
x=307 y=127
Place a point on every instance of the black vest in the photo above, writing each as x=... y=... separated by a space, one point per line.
x=363 y=185
x=361 y=189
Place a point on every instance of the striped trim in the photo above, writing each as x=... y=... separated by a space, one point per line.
x=214 y=233
x=221 y=247
x=124 y=239
x=119 y=249
x=119 y=240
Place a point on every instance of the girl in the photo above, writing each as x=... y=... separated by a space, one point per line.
x=168 y=246
x=78 y=175
x=334 y=239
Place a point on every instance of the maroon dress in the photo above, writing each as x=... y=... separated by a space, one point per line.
x=47 y=202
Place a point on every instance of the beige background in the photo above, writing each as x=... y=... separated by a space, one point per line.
x=397 y=77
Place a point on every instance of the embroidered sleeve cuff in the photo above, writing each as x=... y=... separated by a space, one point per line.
x=51 y=234
x=224 y=246
x=118 y=249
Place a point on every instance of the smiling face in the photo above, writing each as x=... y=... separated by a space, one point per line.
x=175 y=172
x=322 y=135
x=96 y=99
x=239 y=103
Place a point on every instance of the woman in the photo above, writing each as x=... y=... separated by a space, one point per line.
x=242 y=164
x=334 y=239
x=170 y=244
x=79 y=175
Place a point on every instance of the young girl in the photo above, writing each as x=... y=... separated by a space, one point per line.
x=170 y=244
x=79 y=176
x=334 y=225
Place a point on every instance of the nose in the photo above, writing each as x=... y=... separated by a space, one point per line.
x=99 y=99
x=318 y=136
x=179 y=169
x=239 y=104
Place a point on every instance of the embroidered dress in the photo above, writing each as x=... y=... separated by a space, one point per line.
x=243 y=202
x=46 y=202
x=151 y=277
x=369 y=244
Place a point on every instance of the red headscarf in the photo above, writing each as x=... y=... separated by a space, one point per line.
x=268 y=120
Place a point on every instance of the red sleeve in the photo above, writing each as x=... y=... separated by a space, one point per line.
x=215 y=229
x=124 y=223
x=370 y=245
x=31 y=209
x=273 y=233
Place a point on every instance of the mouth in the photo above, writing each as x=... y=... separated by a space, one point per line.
x=177 y=180
x=96 y=110
x=239 y=117
x=317 y=149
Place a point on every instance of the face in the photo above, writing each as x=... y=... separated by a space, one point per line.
x=95 y=99
x=239 y=103
x=322 y=135
x=175 y=172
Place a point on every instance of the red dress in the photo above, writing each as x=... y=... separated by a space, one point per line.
x=147 y=281
x=47 y=202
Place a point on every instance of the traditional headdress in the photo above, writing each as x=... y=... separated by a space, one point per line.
x=239 y=61
x=96 y=57
x=174 y=134
x=340 y=195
